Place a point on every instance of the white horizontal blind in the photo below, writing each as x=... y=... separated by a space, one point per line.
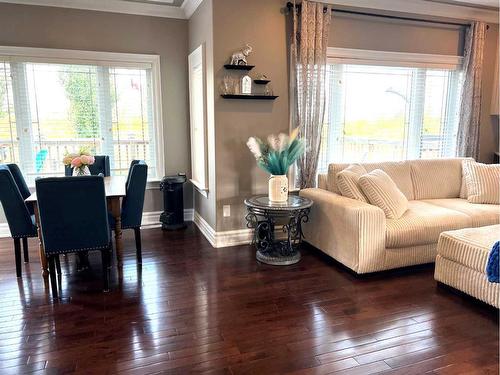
x=48 y=109
x=383 y=112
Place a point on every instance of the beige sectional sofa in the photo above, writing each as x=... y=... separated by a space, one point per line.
x=358 y=234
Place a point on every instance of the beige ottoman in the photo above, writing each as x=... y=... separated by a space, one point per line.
x=461 y=261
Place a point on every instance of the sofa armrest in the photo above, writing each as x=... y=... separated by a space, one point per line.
x=350 y=231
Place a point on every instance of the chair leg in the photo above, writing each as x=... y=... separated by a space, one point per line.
x=25 y=250
x=105 y=269
x=53 y=279
x=17 y=254
x=58 y=264
x=138 y=244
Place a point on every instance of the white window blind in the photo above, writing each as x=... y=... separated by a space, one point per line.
x=389 y=110
x=49 y=108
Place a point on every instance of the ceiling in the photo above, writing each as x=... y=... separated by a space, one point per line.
x=159 y=8
x=483 y=10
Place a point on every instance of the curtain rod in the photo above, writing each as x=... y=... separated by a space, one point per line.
x=289 y=5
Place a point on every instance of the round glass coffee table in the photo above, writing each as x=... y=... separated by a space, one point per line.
x=264 y=216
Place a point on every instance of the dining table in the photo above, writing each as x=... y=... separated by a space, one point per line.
x=114 y=187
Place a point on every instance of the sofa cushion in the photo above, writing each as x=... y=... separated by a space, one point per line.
x=347 y=181
x=399 y=172
x=382 y=192
x=483 y=182
x=331 y=178
x=428 y=176
x=422 y=224
x=480 y=214
x=469 y=247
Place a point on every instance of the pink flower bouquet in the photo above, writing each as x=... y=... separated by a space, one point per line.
x=79 y=161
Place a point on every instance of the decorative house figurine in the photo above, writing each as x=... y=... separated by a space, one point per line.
x=240 y=57
x=246 y=85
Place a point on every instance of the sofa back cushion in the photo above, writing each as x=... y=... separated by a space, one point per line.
x=436 y=178
x=382 y=192
x=399 y=172
x=347 y=182
x=483 y=182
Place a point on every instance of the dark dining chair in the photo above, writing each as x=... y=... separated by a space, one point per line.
x=101 y=165
x=21 y=222
x=133 y=202
x=73 y=219
x=132 y=163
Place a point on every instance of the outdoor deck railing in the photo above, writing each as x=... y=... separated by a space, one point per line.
x=48 y=154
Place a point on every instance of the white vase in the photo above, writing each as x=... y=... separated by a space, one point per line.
x=278 y=188
x=81 y=171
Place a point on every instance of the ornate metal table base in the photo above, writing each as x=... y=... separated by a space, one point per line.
x=264 y=216
x=275 y=258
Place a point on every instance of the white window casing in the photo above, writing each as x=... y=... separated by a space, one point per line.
x=102 y=67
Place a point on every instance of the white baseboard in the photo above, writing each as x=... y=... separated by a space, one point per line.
x=149 y=220
x=205 y=228
x=227 y=238
x=4 y=230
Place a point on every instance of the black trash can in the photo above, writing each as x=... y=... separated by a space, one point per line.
x=172 y=217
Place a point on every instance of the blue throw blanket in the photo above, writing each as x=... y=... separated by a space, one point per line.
x=492 y=265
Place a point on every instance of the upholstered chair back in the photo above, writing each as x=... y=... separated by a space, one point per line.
x=100 y=166
x=73 y=214
x=132 y=163
x=18 y=217
x=133 y=202
x=21 y=183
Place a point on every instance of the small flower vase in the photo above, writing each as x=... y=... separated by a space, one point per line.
x=81 y=171
x=278 y=188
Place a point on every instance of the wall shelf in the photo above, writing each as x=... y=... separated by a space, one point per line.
x=239 y=67
x=249 y=96
x=261 y=81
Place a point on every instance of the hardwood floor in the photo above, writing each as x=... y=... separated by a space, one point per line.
x=192 y=308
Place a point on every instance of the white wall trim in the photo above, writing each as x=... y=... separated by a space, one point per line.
x=115 y=6
x=353 y=56
x=424 y=8
x=230 y=237
x=190 y=6
x=149 y=220
x=222 y=239
x=73 y=56
x=205 y=228
x=4 y=230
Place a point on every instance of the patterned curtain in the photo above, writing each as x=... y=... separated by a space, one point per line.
x=470 y=102
x=311 y=26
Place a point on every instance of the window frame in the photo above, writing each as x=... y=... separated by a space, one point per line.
x=197 y=60
x=14 y=54
x=418 y=61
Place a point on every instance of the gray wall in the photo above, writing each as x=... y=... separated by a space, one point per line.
x=49 y=27
x=263 y=25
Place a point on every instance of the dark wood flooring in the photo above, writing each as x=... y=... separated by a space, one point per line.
x=192 y=308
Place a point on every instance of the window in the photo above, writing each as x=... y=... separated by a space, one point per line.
x=49 y=108
x=390 y=106
x=197 y=104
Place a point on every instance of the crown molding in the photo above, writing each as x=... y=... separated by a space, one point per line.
x=190 y=6
x=423 y=8
x=115 y=6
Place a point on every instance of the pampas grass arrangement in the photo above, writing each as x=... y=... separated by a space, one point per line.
x=279 y=152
